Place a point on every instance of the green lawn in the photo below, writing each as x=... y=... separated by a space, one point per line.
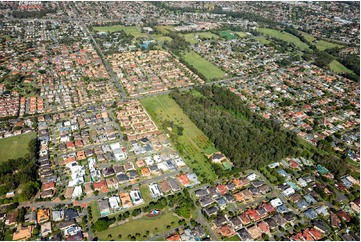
x=133 y=30
x=15 y=147
x=191 y=37
x=338 y=67
x=284 y=36
x=144 y=190
x=233 y=238
x=155 y=225
x=193 y=143
x=209 y=70
x=95 y=210
x=307 y=36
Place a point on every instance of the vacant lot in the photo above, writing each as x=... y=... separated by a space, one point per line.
x=338 y=67
x=191 y=37
x=155 y=225
x=95 y=210
x=205 y=67
x=161 y=38
x=284 y=36
x=15 y=147
x=193 y=143
x=133 y=30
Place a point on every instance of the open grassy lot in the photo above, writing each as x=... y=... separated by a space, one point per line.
x=338 y=67
x=233 y=238
x=15 y=147
x=154 y=225
x=165 y=29
x=161 y=38
x=95 y=210
x=144 y=190
x=133 y=30
x=193 y=143
x=205 y=67
x=284 y=36
x=191 y=37
x=241 y=34
x=321 y=44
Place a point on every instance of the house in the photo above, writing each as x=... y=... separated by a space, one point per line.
x=199 y=232
x=245 y=236
x=122 y=178
x=253 y=214
x=236 y=222
x=23 y=233
x=99 y=185
x=30 y=217
x=321 y=226
x=302 y=205
x=244 y=218
x=70 y=213
x=271 y=223
x=226 y=230
x=344 y=216
x=76 y=237
x=125 y=199
x=210 y=211
x=279 y=219
x=58 y=215
x=222 y=203
x=65 y=224
x=103 y=207
x=268 y=207
x=229 y=198
x=187 y=235
x=183 y=180
x=48 y=186
x=254 y=232
x=263 y=227
x=310 y=213
x=174 y=237
x=43 y=215
x=174 y=184
x=45 y=229
x=114 y=202
x=155 y=190
x=219 y=221
x=222 y=189
x=136 y=197
x=218 y=157
x=133 y=175
x=112 y=183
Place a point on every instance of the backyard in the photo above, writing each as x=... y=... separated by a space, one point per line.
x=209 y=70
x=15 y=147
x=193 y=144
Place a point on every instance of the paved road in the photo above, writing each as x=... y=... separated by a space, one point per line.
x=90 y=234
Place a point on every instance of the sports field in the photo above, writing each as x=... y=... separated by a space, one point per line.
x=193 y=143
x=285 y=37
x=15 y=147
x=132 y=30
x=227 y=35
x=161 y=38
x=191 y=37
x=209 y=70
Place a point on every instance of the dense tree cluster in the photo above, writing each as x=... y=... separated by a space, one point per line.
x=103 y=223
x=245 y=137
x=33 y=14
x=248 y=139
x=178 y=43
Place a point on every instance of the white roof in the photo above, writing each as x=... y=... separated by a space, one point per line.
x=77 y=192
x=288 y=191
x=114 y=202
x=276 y=202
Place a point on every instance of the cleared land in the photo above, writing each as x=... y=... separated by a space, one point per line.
x=209 y=70
x=133 y=30
x=191 y=37
x=285 y=37
x=15 y=147
x=95 y=210
x=193 y=143
x=338 y=67
x=154 y=225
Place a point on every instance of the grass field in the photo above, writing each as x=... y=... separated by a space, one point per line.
x=284 y=36
x=261 y=39
x=205 y=67
x=133 y=30
x=321 y=44
x=155 y=225
x=191 y=37
x=144 y=190
x=233 y=238
x=338 y=67
x=15 y=147
x=193 y=143
x=227 y=34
